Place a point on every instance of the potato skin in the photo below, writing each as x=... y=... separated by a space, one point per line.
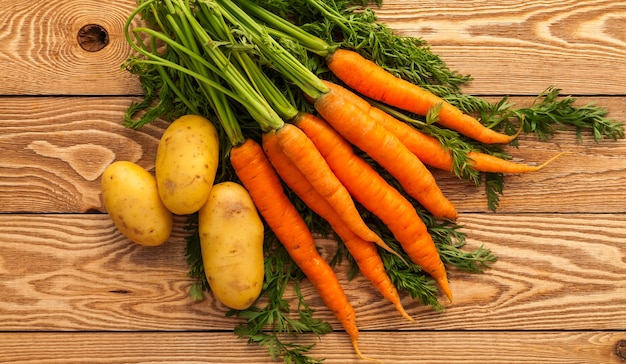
x=186 y=163
x=231 y=237
x=130 y=197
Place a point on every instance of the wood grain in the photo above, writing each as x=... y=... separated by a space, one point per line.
x=40 y=53
x=55 y=149
x=590 y=178
x=513 y=47
x=76 y=272
x=432 y=347
x=73 y=290
x=509 y=47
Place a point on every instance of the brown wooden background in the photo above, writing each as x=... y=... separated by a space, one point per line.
x=73 y=290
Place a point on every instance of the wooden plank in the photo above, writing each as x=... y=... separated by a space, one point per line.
x=399 y=347
x=76 y=272
x=589 y=172
x=40 y=52
x=72 y=289
x=520 y=47
x=509 y=47
x=54 y=150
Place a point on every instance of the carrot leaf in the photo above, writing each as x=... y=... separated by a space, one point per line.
x=494 y=186
x=194 y=259
x=354 y=25
x=475 y=261
x=550 y=112
x=411 y=280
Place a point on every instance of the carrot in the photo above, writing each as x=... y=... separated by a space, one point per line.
x=371 y=80
x=301 y=151
x=364 y=252
x=364 y=132
x=378 y=196
x=372 y=267
x=258 y=176
x=427 y=148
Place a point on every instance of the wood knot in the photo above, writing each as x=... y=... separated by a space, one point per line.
x=119 y=291
x=93 y=37
x=620 y=349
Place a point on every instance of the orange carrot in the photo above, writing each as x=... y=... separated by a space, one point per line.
x=301 y=151
x=378 y=196
x=364 y=252
x=364 y=132
x=428 y=149
x=373 y=81
x=258 y=176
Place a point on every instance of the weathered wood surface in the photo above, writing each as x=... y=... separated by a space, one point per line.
x=55 y=148
x=519 y=47
x=436 y=347
x=73 y=290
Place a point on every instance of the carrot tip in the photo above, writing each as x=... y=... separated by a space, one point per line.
x=445 y=287
x=542 y=166
x=511 y=138
x=355 y=345
x=403 y=313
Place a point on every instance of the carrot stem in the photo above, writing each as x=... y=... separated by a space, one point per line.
x=281 y=59
x=255 y=104
x=284 y=28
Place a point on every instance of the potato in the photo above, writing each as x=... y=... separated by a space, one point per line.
x=130 y=197
x=231 y=237
x=186 y=163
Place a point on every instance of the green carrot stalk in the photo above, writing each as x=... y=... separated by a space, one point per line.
x=279 y=58
x=285 y=28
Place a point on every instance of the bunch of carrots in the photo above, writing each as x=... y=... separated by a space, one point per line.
x=227 y=48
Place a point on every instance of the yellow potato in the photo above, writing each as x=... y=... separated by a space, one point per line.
x=231 y=237
x=130 y=197
x=186 y=163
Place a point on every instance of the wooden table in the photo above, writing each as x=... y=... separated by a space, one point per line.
x=73 y=290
